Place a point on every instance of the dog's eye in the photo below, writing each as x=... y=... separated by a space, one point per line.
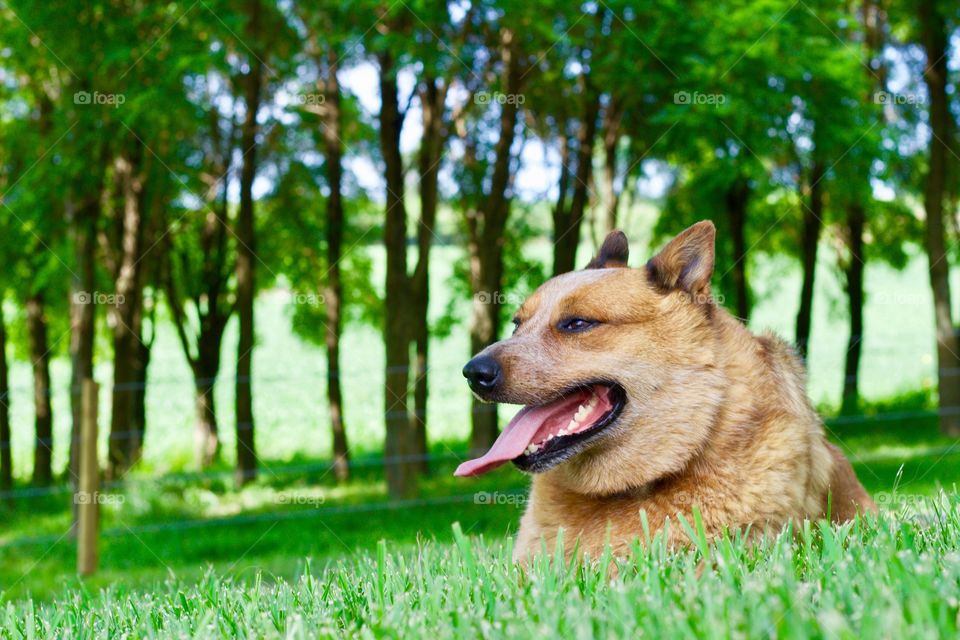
x=576 y=325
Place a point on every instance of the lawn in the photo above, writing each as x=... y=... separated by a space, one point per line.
x=894 y=577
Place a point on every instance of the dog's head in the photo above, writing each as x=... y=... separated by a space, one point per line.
x=615 y=367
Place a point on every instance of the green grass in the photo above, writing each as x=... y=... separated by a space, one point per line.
x=889 y=578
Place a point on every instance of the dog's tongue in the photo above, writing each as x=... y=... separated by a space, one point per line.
x=521 y=432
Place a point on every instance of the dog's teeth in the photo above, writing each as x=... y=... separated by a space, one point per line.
x=572 y=425
x=581 y=413
x=593 y=401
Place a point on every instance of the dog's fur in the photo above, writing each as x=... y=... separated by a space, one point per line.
x=715 y=417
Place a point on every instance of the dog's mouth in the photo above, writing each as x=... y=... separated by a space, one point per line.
x=542 y=436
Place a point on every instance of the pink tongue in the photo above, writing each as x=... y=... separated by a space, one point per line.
x=518 y=435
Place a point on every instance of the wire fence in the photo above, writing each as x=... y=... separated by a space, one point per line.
x=314 y=472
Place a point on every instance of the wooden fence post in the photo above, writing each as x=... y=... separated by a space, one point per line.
x=87 y=496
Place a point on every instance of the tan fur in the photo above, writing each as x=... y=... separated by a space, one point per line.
x=715 y=418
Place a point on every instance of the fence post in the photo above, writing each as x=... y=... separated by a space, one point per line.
x=86 y=498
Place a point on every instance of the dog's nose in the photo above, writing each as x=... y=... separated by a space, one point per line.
x=483 y=373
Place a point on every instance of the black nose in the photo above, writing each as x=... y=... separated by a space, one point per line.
x=483 y=373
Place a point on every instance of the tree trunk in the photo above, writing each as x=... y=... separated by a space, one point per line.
x=812 y=223
x=856 y=220
x=333 y=295
x=487 y=241
x=43 y=413
x=566 y=238
x=125 y=310
x=138 y=401
x=208 y=343
x=246 y=261
x=207 y=433
x=432 y=99
x=560 y=213
x=873 y=24
x=611 y=138
x=401 y=471
x=484 y=330
x=82 y=316
x=934 y=35
x=736 y=201
x=6 y=457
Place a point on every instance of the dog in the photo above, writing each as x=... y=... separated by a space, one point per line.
x=641 y=393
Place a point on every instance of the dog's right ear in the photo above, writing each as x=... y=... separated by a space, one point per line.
x=687 y=261
x=613 y=252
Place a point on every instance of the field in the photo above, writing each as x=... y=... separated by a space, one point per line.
x=296 y=554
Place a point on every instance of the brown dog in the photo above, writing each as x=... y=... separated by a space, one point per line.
x=641 y=393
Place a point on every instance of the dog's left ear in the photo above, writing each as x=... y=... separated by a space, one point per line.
x=613 y=252
x=687 y=261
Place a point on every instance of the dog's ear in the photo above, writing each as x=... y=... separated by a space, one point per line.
x=687 y=261
x=613 y=252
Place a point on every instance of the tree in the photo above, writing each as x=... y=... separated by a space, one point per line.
x=568 y=216
x=406 y=306
x=485 y=216
x=934 y=35
x=401 y=469
x=6 y=457
x=200 y=259
x=123 y=254
x=873 y=19
x=43 y=417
